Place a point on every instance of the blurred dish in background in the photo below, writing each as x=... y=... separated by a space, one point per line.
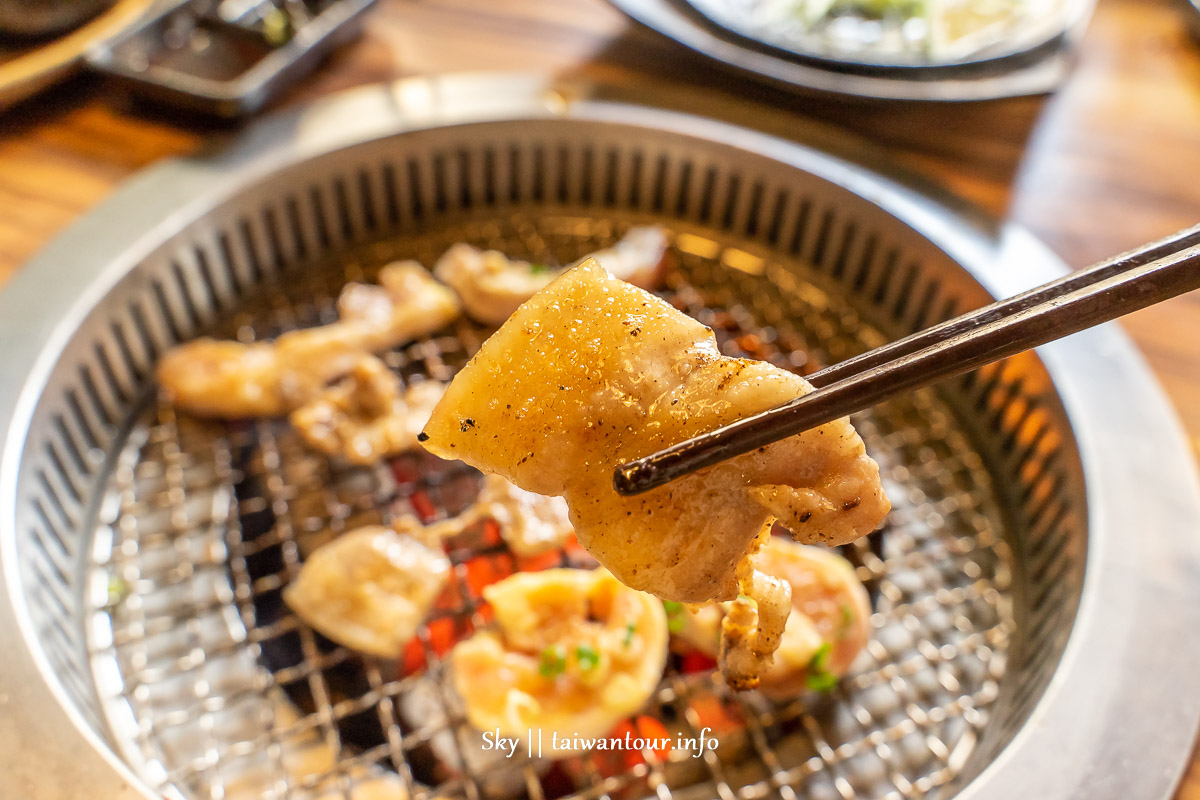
x=227 y=58
x=896 y=33
x=221 y=57
x=28 y=66
x=35 y=18
x=933 y=50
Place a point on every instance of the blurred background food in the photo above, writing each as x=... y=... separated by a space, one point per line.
x=898 y=32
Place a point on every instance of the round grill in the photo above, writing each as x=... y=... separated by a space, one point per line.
x=208 y=522
x=151 y=548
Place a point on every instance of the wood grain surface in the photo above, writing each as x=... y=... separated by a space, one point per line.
x=1109 y=162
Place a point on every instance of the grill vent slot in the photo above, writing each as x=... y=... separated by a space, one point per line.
x=71 y=444
x=119 y=389
x=318 y=220
x=816 y=252
x=57 y=553
x=131 y=364
x=416 y=193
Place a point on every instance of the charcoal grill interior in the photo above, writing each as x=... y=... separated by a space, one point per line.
x=152 y=547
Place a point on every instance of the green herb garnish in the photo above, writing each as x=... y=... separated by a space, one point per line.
x=554 y=662
x=819 y=678
x=820 y=659
x=675 y=619
x=538 y=269
x=630 y=629
x=588 y=657
x=821 y=682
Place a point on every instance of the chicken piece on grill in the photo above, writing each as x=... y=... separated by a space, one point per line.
x=216 y=378
x=827 y=629
x=754 y=624
x=593 y=372
x=367 y=415
x=573 y=653
x=638 y=257
x=492 y=285
x=232 y=380
x=405 y=304
x=370 y=588
x=529 y=523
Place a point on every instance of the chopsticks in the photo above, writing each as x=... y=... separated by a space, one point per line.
x=1083 y=299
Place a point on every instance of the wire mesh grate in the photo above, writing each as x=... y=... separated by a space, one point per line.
x=214 y=690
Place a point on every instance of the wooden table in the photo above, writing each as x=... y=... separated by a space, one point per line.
x=1110 y=162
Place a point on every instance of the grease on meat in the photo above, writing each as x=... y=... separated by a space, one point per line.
x=593 y=372
x=231 y=380
x=370 y=588
x=573 y=652
x=366 y=415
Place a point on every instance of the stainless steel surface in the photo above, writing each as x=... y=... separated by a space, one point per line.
x=1036 y=72
x=1016 y=488
x=1101 y=293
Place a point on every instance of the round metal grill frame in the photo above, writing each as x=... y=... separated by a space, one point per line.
x=1099 y=705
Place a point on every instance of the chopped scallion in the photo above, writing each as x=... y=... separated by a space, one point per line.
x=588 y=656
x=554 y=662
x=819 y=678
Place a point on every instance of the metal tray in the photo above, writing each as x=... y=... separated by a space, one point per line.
x=185 y=55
